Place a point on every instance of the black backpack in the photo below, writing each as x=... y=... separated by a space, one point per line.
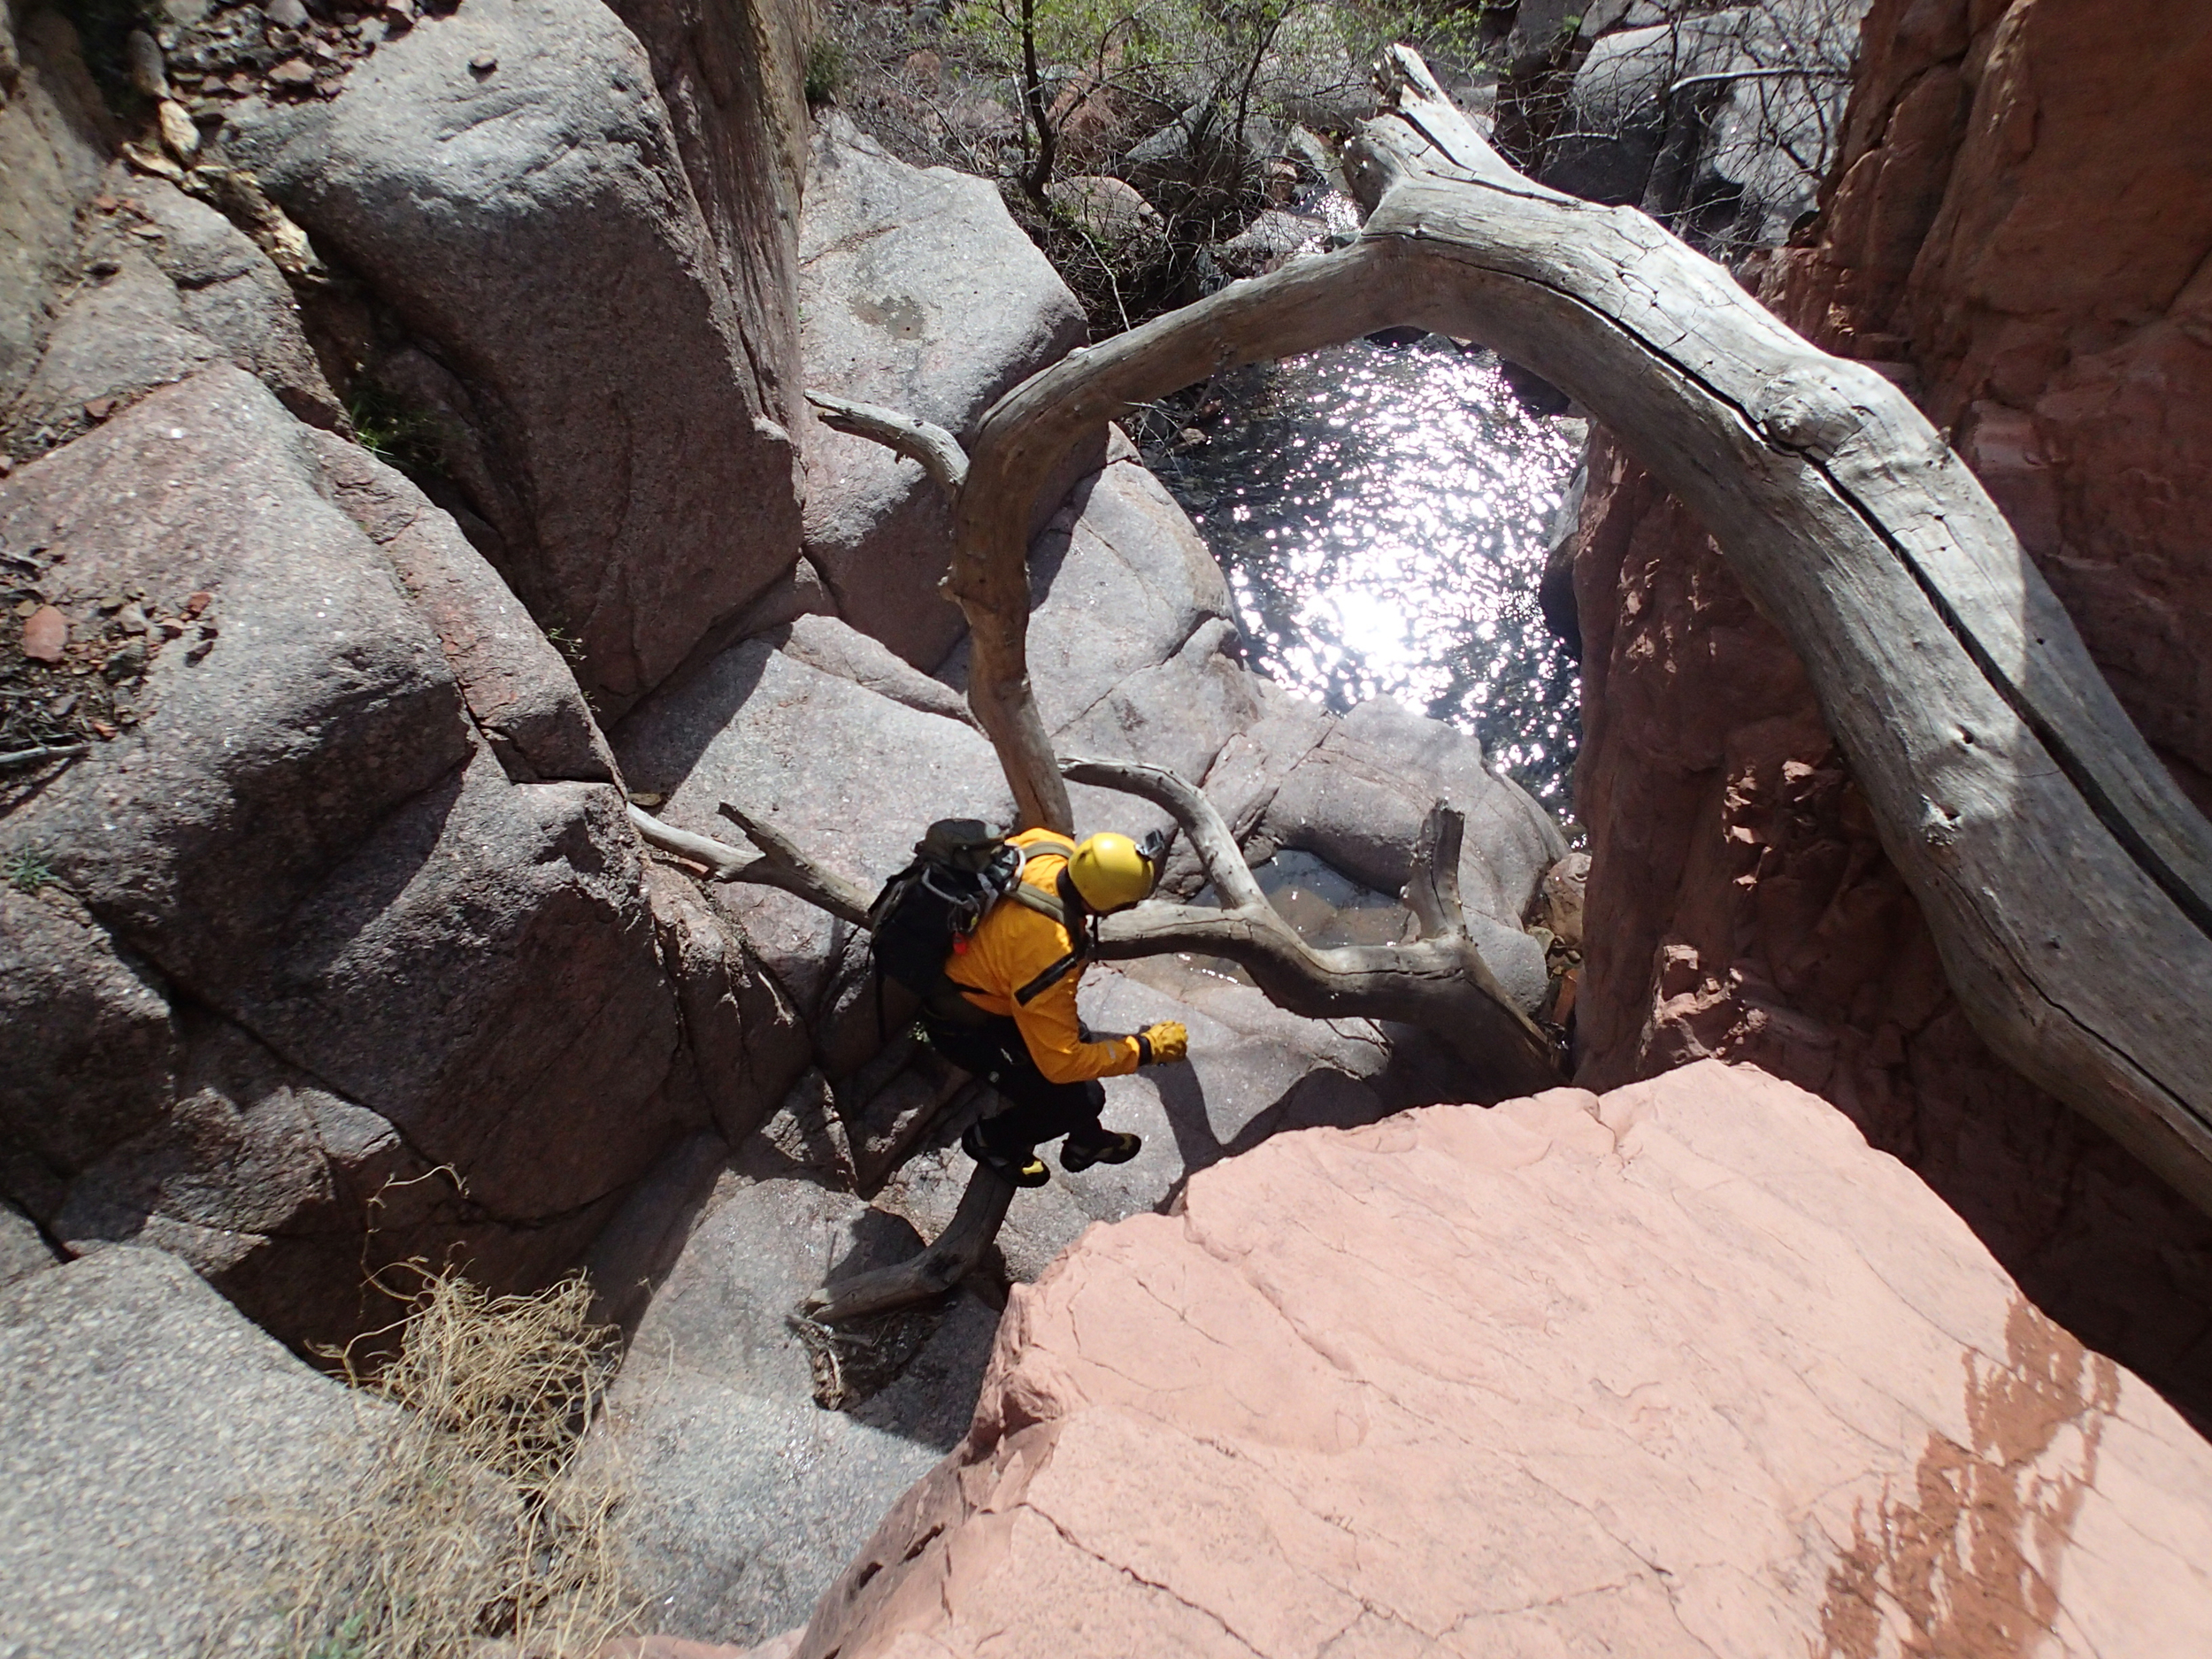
x=961 y=869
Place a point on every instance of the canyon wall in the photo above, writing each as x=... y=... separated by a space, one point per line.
x=2019 y=233
x=327 y=940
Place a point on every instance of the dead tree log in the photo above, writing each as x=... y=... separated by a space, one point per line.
x=951 y=1256
x=780 y=863
x=2067 y=881
x=1439 y=982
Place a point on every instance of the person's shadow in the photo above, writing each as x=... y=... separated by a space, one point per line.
x=1183 y=1098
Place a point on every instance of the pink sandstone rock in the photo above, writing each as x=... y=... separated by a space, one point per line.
x=1689 y=1370
x=45 y=635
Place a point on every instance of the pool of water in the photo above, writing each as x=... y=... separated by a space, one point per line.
x=1382 y=514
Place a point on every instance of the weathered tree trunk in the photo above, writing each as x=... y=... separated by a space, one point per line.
x=951 y=1256
x=1438 y=983
x=2067 y=881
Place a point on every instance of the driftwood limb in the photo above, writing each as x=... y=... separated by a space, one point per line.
x=1439 y=982
x=1433 y=892
x=793 y=872
x=723 y=863
x=938 y=450
x=951 y=1258
x=2067 y=881
x=780 y=865
x=997 y=615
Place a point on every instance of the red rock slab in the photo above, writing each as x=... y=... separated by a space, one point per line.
x=45 y=634
x=1688 y=1369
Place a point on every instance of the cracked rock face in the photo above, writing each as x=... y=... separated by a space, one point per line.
x=526 y=216
x=1685 y=1369
x=345 y=903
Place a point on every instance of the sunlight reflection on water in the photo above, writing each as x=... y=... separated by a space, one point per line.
x=1382 y=514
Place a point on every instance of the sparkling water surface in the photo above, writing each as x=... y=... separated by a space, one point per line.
x=1382 y=514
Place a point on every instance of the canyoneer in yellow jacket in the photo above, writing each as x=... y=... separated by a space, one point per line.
x=1015 y=1025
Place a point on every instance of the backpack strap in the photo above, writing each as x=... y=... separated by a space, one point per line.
x=1082 y=941
x=1044 y=903
x=1050 y=978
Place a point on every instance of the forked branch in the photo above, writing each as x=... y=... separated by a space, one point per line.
x=938 y=450
x=780 y=863
x=1439 y=982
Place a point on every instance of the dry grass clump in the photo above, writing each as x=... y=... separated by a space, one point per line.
x=471 y=1517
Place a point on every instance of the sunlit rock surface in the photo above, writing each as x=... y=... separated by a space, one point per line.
x=1687 y=1370
x=917 y=293
x=513 y=162
x=306 y=932
x=743 y=1494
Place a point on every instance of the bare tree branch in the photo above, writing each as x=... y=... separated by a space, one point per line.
x=35 y=756
x=1786 y=71
x=780 y=865
x=793 y=872
x=1433 y=892
x=955 y=1253
x=938 y=450
x=723 y=863
x=1439 y=983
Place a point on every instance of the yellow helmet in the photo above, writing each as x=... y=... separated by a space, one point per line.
x=1110 y=871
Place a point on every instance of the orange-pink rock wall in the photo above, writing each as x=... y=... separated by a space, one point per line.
x=1684 y=1372
x=2020 y=230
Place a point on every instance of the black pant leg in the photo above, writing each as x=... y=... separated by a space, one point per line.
x=1037 y=1108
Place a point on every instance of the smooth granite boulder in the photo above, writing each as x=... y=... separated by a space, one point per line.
x=506 y=179
x=156 y=287
x=148 y=1436
x=745 y=1495
x=920 y=294
x=850 y=774
x=305 y=842
x=55 y=136
x=23 y=1249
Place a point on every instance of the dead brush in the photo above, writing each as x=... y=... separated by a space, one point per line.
x=471 y=1517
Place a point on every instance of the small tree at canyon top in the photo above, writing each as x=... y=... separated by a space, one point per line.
x=1214 y=66
x=2059 y=868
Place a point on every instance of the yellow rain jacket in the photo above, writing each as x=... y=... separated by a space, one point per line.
x=1015 y=944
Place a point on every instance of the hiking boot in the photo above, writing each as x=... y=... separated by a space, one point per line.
x=1076 y=1155
x=1027 y=1170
